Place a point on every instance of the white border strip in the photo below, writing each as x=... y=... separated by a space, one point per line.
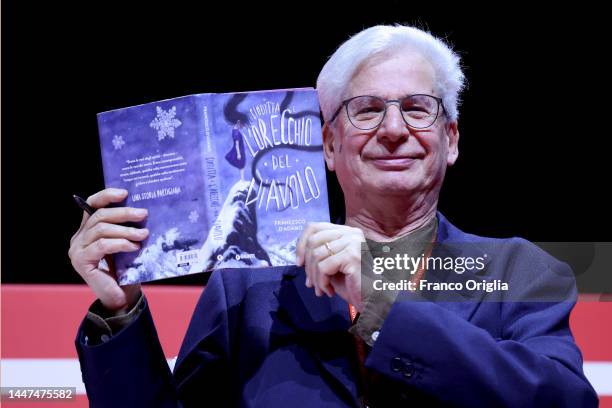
x=66 y=372
x=599 y=374
x=42 y=372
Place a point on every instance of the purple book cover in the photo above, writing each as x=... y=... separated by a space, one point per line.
x=230 y=180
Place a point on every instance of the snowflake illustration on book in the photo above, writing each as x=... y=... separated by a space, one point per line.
x=118 y=142
x=193 y=216
x=165 y=123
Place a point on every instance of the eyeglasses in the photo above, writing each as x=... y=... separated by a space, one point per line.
x=367 y=112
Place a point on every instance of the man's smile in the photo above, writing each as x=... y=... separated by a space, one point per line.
x=393 y=162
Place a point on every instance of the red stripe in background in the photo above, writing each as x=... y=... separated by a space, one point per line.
x=54 y=312
x=591 y=324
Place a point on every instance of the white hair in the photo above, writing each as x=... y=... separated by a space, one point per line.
x=333 y=81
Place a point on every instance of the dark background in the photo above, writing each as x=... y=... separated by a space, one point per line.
x=534 y=157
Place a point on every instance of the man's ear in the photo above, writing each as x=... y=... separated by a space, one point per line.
x=452 y=138
x=328 y=146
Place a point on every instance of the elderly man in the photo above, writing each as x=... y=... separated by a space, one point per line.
x=269 y=337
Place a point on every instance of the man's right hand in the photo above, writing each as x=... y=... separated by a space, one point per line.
x=99 y=235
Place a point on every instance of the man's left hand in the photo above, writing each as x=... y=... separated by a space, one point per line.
x=331 y=256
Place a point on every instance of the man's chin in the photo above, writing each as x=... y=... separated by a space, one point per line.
x=396 y=186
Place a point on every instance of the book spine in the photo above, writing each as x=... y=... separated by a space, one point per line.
x=213 y=194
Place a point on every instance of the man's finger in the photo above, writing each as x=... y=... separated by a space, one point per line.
x=107 y=196
x=308 y=269
x=301 y=243
x=331 y=265
x=321 y=277
x=106 y=246
x=321 y=237
x=315 y=228
x=108 y=230
x=327 y=269
x=116 y=216
x=106 y=289
x=102 y=199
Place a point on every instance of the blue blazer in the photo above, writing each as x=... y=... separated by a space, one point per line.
x=260 y=338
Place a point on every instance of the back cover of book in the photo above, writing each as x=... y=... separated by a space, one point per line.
x=230 y=180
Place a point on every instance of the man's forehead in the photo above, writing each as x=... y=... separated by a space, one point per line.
x=394 y=75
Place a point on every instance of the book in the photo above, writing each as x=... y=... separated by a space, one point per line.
x=229 y=179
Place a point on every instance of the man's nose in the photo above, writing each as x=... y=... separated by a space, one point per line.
x=393 y=127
